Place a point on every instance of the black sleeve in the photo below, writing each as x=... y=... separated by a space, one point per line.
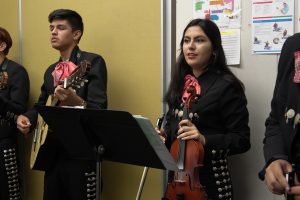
x=274 y=146
x=18 y=86
x=96 y=96
x=32 y=114
x=235 y=117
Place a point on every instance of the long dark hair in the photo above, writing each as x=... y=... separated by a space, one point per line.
x=218 y=60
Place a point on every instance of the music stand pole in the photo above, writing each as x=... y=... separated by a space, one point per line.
x=145 y=172
x=100 y=152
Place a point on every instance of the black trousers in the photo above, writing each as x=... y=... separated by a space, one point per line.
x=9 y=171
x=71 y=180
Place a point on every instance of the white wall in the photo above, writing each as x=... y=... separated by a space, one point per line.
x=258 y=73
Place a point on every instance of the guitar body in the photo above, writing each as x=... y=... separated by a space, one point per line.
x=43 y=158
x=40 y=148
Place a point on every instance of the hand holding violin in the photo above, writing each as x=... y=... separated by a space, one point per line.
x=161 y=134
x=189 y=131
x=274 y=177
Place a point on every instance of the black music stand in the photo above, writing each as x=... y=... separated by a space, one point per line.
x=107 y=135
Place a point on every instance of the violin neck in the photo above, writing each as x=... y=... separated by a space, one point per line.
x=181 y=155
x=182 y=143
x=185 y=114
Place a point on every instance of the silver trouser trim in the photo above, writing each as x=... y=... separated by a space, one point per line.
x=10 y=163
x=90 y=185
x=221 y=174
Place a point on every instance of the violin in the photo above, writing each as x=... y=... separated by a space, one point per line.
x=189 y=155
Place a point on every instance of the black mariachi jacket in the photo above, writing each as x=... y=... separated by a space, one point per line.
x=221 y=115
x=282 y=123
x=13 y=97
x=93 y=92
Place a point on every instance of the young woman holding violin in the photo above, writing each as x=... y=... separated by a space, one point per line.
x=207 y=110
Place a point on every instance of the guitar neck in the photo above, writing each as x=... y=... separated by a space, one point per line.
x=75 y=79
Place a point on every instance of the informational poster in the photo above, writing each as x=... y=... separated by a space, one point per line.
x=223 y=12
x=231 y=44
x=272 y=23
x=227 y=15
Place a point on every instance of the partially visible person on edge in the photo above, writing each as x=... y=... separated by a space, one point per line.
x=14 y=93
x=69 y=176
x=218 y=116
x=282 y=139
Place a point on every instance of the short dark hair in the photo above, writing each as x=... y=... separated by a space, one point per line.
x=5 y=37
x=71 y=16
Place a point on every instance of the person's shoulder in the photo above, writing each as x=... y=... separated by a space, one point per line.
x=51 y=67
x=90 y=56
x=291 y=45
x=222 y=77
x=293 y=40
x=295 y=36
x=14 y=66
x=227 y=80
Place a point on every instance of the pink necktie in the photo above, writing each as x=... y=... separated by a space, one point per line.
x=190 y=80
x=62 y=70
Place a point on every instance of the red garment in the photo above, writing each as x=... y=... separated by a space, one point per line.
x=190 y=80
x=297 y=67
x=62 y=70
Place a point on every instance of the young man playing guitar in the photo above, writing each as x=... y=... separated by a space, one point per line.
x=68 y=177
x=14 y=92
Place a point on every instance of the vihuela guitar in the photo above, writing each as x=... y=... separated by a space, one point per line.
x=42 y=144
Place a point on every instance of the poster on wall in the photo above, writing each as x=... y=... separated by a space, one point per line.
x=272 y=23
x=227 y=15
x=231 y=44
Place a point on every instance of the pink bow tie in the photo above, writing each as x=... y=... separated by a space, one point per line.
x=62 y=70
x=190 y=80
